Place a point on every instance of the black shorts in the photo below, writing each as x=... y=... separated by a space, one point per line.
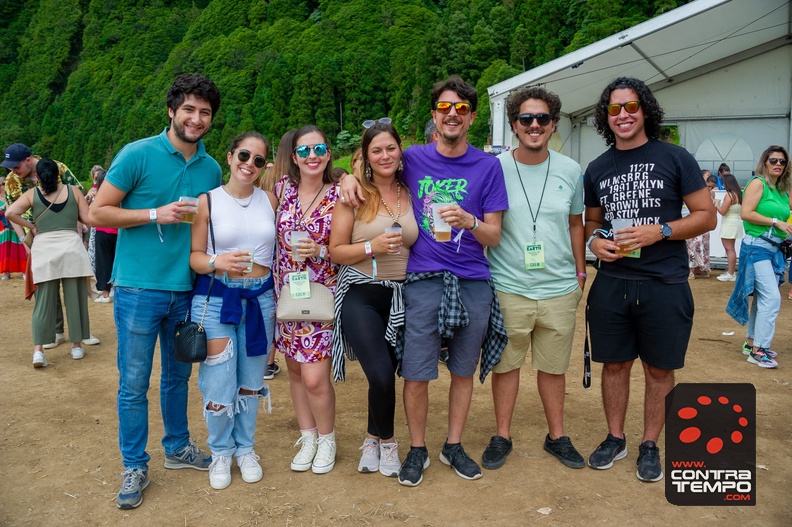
x=629 y=319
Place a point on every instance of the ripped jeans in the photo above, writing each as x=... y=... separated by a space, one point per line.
x=220 y=377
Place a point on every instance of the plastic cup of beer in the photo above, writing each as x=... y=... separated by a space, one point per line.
x=189 y=217
x=442 y=230
x=295 y=236
x=249 y=263
x=393 y=228
x=618 y=224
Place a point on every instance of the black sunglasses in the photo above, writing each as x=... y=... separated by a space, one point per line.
x=526 y=119
x=777 y=160
x=244 y=155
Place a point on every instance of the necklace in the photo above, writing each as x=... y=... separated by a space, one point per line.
x=299 y=221
x=240 y=201
x=398 y=206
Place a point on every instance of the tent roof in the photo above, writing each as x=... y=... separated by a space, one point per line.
x=699 y=37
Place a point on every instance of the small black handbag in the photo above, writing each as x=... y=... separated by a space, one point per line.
x=189 y=342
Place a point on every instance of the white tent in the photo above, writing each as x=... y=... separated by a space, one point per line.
x=721 y=70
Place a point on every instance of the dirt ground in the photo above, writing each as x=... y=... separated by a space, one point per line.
x=60 y=464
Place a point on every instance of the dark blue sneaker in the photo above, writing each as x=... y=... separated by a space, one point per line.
x=494 y=455
x=456 y=457
x=563 y=449
x=131 y=494
x=411 y=471
x=610 y=450
x=649 y=468
x=189 y=457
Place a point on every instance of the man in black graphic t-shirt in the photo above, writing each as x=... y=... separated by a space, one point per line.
x=640 y=304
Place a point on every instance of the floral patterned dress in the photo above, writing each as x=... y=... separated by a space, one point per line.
x=304 y=342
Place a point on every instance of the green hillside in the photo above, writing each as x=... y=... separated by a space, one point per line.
x=84 y=77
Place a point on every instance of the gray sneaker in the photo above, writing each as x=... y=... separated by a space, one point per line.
x=189 y=457
x=131 y=494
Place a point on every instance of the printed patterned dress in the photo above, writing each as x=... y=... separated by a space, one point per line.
x=304 y=342
x=12 y=253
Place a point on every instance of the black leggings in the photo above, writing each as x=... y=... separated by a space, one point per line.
x=105 y=244
x=364 y=317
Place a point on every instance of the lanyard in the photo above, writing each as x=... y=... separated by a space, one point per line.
x=541 y=198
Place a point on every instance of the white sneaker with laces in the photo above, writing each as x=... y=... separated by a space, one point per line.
x=726 y=277
x=304 y=458
x=389 y=464
x=370 y=458
x=77 y=353
x=59 y=337
x=250 y=468
x=324 y=461
x=91 y=341
x=102 y=300
x=220 y=472
x=39 y=361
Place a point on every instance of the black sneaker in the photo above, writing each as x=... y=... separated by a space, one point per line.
x=566 y=453
x=649 y=468
x=272 y=370
x=610 y=450
x=411 y=471
x=494 y=455
x=456 y=457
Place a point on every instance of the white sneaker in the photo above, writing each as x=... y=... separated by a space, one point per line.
x=220 y=472
x=726 y=277
x=304 y=458
x=102 y=300
x=59 y=337
x=77 y=353
x=39 y=361
x=91 y=341
x=324 y=461
x=370 y=459
x=250 y=468
x=389 y=459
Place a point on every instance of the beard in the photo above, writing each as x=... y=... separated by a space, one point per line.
x=180 y=132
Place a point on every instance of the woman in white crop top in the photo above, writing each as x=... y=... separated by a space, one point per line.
x=373 y=245
x=239 y=317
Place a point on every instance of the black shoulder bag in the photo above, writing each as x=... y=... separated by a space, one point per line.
x=189 y=342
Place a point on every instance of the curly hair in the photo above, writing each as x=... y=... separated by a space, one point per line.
x=653 y=114
x=48 y=174
x=783 y=183
x=455 y=84
x=294 y=170
x=198 y=85
x=515 y=100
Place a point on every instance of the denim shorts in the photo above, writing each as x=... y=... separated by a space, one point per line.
x=422 y=338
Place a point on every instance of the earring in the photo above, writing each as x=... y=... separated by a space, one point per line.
x=368 y=173
x=401 y=164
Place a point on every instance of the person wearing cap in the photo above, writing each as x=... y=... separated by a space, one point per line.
x=21 y=178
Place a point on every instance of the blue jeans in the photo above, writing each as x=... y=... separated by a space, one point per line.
x=232 y=428
x=142 y=315
x=766 y=301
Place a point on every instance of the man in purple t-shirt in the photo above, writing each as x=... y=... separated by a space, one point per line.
x=448 y=292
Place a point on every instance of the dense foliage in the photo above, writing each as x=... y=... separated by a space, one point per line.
x=84 y=77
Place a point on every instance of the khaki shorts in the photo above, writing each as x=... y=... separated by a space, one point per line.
x=546 y=327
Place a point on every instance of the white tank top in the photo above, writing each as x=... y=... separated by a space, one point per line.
x=251 y=226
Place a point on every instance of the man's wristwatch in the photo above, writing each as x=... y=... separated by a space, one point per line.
x=153 y=215
x=665 y=231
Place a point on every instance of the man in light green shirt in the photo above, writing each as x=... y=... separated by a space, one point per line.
x=539 y=270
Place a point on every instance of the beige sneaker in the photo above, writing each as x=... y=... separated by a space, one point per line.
x=304 y=458
x=370 y=458
x=324 y=461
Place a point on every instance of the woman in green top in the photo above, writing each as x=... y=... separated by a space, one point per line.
x=765 y=209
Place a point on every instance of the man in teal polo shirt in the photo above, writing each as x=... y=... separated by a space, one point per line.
x=152 y=276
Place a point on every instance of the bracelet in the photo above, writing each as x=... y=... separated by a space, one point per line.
x=581 y=275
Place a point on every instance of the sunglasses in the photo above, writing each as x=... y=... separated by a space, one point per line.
x=615 y=108
x=527 y=118
x=462 y=108
x=303 y=151
x=777 y=161
x=244 y=155
x=382 y=120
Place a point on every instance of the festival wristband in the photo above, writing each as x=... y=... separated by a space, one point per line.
x=322 y=252
x=581 y=275
x=367 y=247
